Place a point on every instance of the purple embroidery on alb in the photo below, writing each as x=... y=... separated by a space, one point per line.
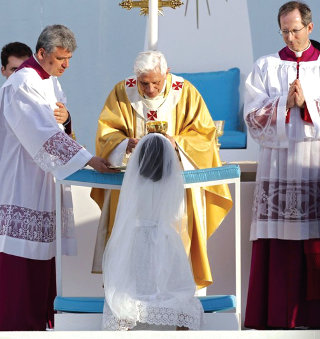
x=62 y=147
x=56 y=152
x=27 y=224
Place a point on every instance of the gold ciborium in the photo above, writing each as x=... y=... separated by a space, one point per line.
x=157 y=127
x=219 y=127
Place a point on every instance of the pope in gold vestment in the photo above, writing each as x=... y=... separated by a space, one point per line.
x=194 y=132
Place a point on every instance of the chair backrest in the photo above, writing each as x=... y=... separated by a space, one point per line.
x=220 y=91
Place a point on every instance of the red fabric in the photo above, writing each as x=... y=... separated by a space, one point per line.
x=277 y=295
x=298 y=66
x=312 y=253
x=288 y=117
x=27 y=292
x=32 y=63
x=152 y=115
x=311 y=54
x=131 y=82
x=305 y=115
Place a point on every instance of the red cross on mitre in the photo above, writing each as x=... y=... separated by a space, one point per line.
x=152 y=115
x=131 y=82
x=177 y=85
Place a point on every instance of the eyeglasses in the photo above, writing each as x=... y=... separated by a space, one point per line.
x=286 y=32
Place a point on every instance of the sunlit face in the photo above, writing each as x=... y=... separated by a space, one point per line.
x=296 y=35
x=13 y=63
x=151 y=83
x=56 y=62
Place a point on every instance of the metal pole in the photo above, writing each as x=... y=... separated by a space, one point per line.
x=58 y=239
x=238 y=249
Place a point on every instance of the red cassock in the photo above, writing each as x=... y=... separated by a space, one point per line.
x=27 y=296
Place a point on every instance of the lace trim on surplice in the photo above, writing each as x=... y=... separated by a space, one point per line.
x=56 y=151
x=262 y=122
x=28 y=224
x=283 y=200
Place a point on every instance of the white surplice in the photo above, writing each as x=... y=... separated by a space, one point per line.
x=34 y=149
x=288 y=189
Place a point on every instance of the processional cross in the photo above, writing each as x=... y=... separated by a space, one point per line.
x=151 y=7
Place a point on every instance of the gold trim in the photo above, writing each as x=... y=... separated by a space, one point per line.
x=144 y=5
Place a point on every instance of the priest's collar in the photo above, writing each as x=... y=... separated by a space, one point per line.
x=299 y=53
x=309 y=54
x=32 y=62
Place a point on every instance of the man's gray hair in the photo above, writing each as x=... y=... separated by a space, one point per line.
x=150 y=61
x=56 y=36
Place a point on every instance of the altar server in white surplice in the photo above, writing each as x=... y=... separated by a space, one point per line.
x=33 y=149
x=282 y=111
x=146 y=272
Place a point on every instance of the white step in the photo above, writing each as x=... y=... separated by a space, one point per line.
x=92 y=322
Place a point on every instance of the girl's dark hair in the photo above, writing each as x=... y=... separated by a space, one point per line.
x=151 y=158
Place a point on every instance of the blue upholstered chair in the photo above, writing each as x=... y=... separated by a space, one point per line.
x=220 y=90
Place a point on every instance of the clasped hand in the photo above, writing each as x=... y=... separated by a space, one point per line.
x=61 y=114
x=295 y=95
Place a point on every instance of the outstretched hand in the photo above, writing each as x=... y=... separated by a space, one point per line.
x=101 y=165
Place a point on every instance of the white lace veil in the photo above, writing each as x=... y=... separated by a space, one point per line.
x=144 y=260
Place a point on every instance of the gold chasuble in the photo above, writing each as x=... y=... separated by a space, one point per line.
x=191 y=125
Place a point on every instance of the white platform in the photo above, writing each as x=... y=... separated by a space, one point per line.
x=92 y=322
x=160 y=335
